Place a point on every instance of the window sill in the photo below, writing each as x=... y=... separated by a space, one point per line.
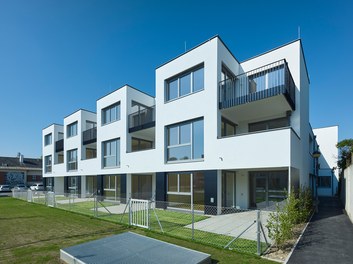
x=184 y=161
x=105 y=124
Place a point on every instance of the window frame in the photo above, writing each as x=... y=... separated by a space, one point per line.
x=72 y=132
x=227 y=122
x=72 y=161
x=139 y=141
x=48 y=139
x=191 y=142
x=48 y=162
x=117 y=154
x=320 y=182
x=178 y=192
x=190 y=72
x=109 y=108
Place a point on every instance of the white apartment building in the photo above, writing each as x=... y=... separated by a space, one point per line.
x=221 y=132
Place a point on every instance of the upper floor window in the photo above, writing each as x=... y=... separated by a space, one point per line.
x=72 y=129
x=72 y=160
x=60 y=135
x=228 y=128
x=185 y=83
x=111 y=153
x=48 y=139
x=185 y=141
x=138 y=144
x=111 y=114
x=47 y=162
x=90 y=125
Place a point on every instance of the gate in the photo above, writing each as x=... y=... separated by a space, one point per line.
x=139 y=213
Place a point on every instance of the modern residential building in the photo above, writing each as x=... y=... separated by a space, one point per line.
x=20 y=170
x=219 y=133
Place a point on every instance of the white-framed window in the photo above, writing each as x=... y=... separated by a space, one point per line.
x=185 y=83
x=72 y=160
x=111 y=153
x=48 y=139
x=185 y=141
x=48 y=163
x=72 y=129
x=111 y=113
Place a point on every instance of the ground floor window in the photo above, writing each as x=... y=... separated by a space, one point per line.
x=324 y=182
x=112 y=187
x=72 y=184
x=91 y=184
x=228 y=189
x=267 y=187
x=183 y=187
x=141 y=187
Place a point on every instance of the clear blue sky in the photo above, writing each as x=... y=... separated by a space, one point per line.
x=59 y=56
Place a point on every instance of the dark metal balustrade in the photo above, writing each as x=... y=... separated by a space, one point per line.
x=89 y=136
x=59 y=145
x=267 y=81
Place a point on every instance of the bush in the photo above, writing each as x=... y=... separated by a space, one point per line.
x=295 y=209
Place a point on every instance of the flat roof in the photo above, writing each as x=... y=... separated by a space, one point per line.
x=130 y=247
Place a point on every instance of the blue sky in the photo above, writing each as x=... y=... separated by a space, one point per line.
x=59 y=56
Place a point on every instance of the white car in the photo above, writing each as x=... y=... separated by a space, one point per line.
x=37 y=187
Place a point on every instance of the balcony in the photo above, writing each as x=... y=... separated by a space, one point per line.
x=89 y=136
x=268 y=81
x=142 y=119
x=59 y=145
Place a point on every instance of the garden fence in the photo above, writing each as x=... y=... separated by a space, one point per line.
x=226 y=227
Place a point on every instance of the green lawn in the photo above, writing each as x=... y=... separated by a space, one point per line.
x=33 y=233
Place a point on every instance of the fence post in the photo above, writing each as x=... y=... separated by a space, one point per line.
x=130 y=212
x=258 y=232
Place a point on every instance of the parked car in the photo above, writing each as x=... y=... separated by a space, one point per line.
x=37 y=187
x=5 y=188
x=20 y=187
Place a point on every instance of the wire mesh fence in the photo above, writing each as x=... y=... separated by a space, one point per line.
x=229 y=228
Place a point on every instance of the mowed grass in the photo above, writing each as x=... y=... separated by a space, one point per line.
x=172 y=223
x=33 y=233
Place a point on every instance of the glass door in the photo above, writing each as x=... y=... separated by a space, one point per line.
x=228 y=189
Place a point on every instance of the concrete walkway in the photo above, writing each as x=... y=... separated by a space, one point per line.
x=328 y=237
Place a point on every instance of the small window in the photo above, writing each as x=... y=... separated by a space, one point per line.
x=48 y=163
x=111 y=114
x=324 y=181
x=138 y=144
x=72 y=129
x=269 y=124
x=179 y=183
x=186 y=83
x=48 y=139
x=228 y=128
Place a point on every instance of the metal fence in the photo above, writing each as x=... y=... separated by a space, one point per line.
x=229 y=228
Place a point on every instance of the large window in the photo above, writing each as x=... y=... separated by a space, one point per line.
x=111 y=153
x=48 y=162
x=72 y=160
x=111 y=113
x=48 y=139
x=181 y=185
x=72 y=129
x=269 y=124
x=185 y=83
x=185 y=141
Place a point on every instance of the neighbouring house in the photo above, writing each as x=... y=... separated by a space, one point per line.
x=328 y=172
x=219 y=132
x=348 y=189
x=20 y=170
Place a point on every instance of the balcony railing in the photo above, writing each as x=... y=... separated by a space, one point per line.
x=142 y=119
x=89 y=136
x=267 y=81
x=59 y=145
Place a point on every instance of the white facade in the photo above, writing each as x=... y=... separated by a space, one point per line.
x=239 y=128
x=327 y=139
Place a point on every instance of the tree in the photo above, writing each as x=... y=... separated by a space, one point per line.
x=345 y=148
